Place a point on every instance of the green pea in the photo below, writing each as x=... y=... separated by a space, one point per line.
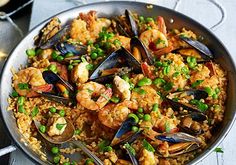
x=149 y=28
x=193 y=101
x=197 y=83
x=135 y=117
x=155 y=107
x=94 y=56
x=77 y=132
x=217 y=90
x=70 y=67
x=30 y=52
x=209 y=91
x=62 y=113
x=42 y=128
x=52 y=68
x=35 y=111
x=66 y=163
x=89 y=161
x=89 y=66
x=21 y=109
x=52 y=109
x=54 y=55
x=125 y=77
x=144 y=81
x=158 y=64
x=203 y=107
x=146 y=117
x=175 y=99
x=117 y=42
x=60 y=58
x=168 y=86
x=214 y=96
x=107 y=149
x=56 y=159
x=140 y=91
x=159 y=81
x=115 y=99
x=38 y=51
x=141 y=18
x=96 y=46
x=140 y=110
x=14 y=94
x=89 y=42
x=108 y=85
x=191 y=65
x=149 y=19
x=21 y=100
x=100 y=52
x=134 y=128
x=55 y=150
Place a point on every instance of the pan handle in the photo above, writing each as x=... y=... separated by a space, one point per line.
x=7 y=150
x=218 y=5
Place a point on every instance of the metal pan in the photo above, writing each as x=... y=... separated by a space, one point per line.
x=109 y=9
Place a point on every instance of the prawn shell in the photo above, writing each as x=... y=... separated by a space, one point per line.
x=205 y=51
x=119 y=58
x=146 y=55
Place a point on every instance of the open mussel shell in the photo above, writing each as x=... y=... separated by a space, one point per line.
x=133 y=25
x=207 y=54
x=53 y=78
x=197 y=94
x=66 y=135
x=55 y=39
x=177 y=137
x=146 y=55
x=65 y=47
x=56 y=98
x=118 y=59
x=124 y=133
x=196 y=116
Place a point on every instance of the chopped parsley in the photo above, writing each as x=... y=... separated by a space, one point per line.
x=218 y=149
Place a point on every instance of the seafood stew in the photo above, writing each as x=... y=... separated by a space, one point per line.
x=134 y=91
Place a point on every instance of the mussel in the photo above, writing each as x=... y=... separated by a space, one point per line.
x=120 y=59
x=75 y=48
x=197 y=94
x=142 y=51
x=52 y=78
x=205 y=53
x=181 y=143
x=129 y=28
x=131 y=153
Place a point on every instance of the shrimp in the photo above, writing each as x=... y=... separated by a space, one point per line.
x=147 y=158
x=112 y=115
x=62 y=70
x=154 y=39
x=33 y=77
x=125 y=41
x=80 y=73
x=122 y=87
x=91 y=90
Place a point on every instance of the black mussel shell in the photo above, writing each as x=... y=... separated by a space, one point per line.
x=52 y=78
x=76 y=49
x=55 y=39
x=177 y=137
x=198 y=94
x=119 y=58
x=206 y=53
x=56 y=98
x=131 y=154
x=133 y=25
x=146 y=55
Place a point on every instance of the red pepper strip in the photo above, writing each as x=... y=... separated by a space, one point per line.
x=41 y=88
x=147 y=71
